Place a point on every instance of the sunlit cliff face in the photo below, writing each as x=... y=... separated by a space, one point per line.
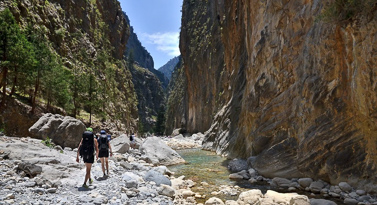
x=273 y=81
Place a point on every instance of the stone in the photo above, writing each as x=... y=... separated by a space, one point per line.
x=166 y=190
x=214 y=201
x=237 y=165
x=120 y=144
x=305 y=182
x=52 y=190
x=349 y=201
x=176 y=132
x=235 y=176
x=316 y=186
x=10 y=196
x=250 y=197
x=64 y=131
x=158 y=153
x=231 y=202
x=299 y=200
x=321 y=202
x=344 y=186
x=132 y=184
x=280 y=182
x=30 y=170
x=187 y=193
x=360 y=192
x=252 y=172
x=156 y=177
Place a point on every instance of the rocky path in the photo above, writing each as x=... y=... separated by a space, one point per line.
x=32 y=173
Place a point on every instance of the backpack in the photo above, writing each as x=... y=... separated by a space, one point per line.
x=87 y=145
x=131 y=138
x=103 y=142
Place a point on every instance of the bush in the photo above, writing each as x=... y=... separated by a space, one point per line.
x=347 y=11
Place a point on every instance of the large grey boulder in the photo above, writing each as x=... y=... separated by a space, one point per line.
x=120 y=144
x=321 y=202
x=158 y=153
x=237 y=165
x=64 y=131
x=157 y=177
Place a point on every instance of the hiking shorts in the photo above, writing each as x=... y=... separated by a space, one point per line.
x=103 y=153
x=88 y=158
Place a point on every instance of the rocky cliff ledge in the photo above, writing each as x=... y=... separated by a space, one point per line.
x=294 y=91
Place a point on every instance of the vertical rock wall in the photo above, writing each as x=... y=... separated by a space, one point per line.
x=297 y=93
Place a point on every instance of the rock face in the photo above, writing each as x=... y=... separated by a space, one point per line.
x=168 y=68
x=63 y=131
x=158 y=152
x=268 y=80
x=74 y=26
x=150 y=96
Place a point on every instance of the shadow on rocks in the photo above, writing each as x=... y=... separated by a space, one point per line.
x=85 y=189
x=101 y=178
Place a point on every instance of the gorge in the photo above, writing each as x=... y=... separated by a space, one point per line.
x=282 y=84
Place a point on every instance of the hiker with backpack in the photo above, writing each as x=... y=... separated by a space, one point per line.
x=132 y=141
x=104 y=147
x=86 y=151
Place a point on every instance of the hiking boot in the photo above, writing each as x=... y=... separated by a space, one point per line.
x=90 y=181
x=85 y=186
x=104 y=175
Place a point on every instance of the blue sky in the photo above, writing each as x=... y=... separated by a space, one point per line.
x=157 y=25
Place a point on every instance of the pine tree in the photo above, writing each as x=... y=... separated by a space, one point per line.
x=9 y=32
x=160 y=123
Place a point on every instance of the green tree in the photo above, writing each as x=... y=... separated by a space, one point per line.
x=55 y=84
x=9 y=31
x=160 y=123
x=22 y=61
x=44 y=62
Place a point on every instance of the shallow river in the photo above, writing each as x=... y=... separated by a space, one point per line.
x=205 y=166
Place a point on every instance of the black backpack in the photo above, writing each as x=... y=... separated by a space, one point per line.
x=87 y=145
x=131 y=138
x=103 y=142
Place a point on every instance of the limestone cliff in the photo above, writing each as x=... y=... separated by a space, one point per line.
x=270 y=79
x=168 y=68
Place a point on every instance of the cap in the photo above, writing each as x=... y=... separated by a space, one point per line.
x=89 y=129
x=103 y=132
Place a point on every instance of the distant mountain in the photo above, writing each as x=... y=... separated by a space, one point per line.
x=168 y=68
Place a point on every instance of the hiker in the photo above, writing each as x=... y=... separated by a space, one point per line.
x=132 y=141
x=86 y=151
x=104 y=147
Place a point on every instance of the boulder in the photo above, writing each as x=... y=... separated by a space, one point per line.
x=321 y=202
x=158 y=153
x=120 y=144
x=286 y=198
x=316 y=186
x=176 y=132
x=250 y=197
x=344 y=186
x=157 y=177
x=31 y=170
x=166 y=190
x=237 y=165
x=64 y=131
x=280 y=182
x=214 y=201
x=305 y=182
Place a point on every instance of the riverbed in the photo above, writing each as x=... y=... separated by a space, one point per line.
x=205 y=166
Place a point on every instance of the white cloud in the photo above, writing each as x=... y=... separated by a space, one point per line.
x=165 y=42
